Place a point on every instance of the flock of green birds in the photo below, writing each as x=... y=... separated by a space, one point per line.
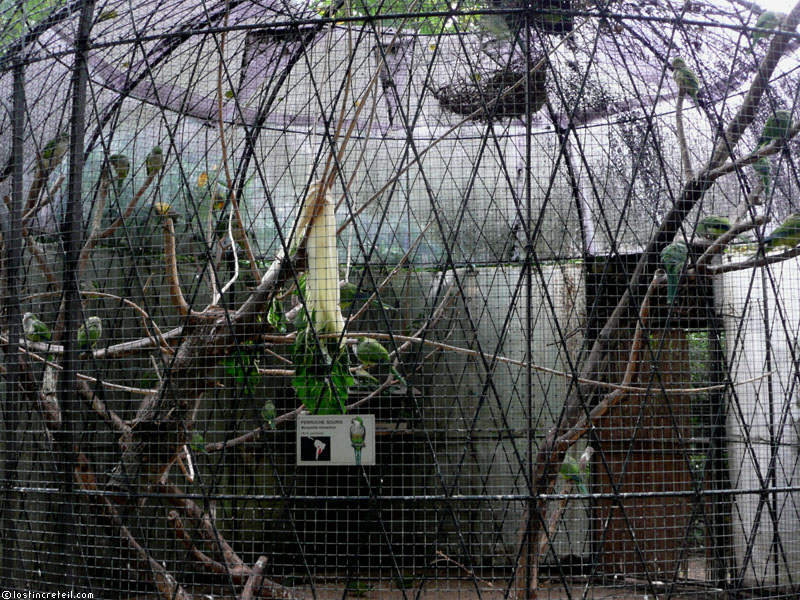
x=89 y=333
x=673 y=257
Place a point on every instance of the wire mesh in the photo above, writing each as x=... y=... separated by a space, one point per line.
x=399 y=300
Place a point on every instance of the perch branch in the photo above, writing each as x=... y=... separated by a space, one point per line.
x=255 y=580
x=614 y=397
x=446 y=559
x=171 y=266
x=44 y=266
x=47 y=200
x=174 y=519
x=753 y=263
x=238 y=570
x=719 y=244
x=108 y=231
x=772 y=148
x=168 y=588
x=685 y=159
x=97 y=220
x=565 y=441
x=25 y=347
x=99 y=407
x=208 y=532
x=39 y=181
x=555 y=516
x=551 y=452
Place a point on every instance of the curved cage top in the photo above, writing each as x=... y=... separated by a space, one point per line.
x=418 y=104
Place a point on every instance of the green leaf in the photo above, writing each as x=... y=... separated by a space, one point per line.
x=276 y=316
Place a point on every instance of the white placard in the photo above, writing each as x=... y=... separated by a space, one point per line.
x=335 y=440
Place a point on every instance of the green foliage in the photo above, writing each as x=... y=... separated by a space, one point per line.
x=16 y=18
x=322 y=373
x=242 y=366
x=276 y=317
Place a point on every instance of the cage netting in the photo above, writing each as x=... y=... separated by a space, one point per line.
x=406 y=299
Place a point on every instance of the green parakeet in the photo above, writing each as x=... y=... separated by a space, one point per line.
x=107 y=16
x=768 y=20
x=350 y=294
x=673 y=257
x=89 y=333
x=269 y=413
x=121 y=166
x=198 y=443
x=787 y=234
x=54 y=151
x=369 y=352
x=34 y=329
x=777 y=127
x=685 y=78
x=154 y=161
x=763 y=169
x=164 y=209
x=570 y=470
x=358 y=434
x=712 y=227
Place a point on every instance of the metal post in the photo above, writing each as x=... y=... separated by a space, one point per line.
x=12 y=405
x=71 y=240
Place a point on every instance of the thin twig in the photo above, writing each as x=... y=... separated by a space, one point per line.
x=444 y=558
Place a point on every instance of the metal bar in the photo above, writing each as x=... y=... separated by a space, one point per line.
x=12 y=405
x=71 y=236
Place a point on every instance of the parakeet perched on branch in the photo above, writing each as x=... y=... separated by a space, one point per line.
x=269 y=413
x=89 y=333
x=164 y=209
x=358 y=434
x=154 y=161
x=673 y=257
x=768 y=20
x=121 y=166
x=712 y=227
x=777 y=127
x=763 y=169
x=685 y=78
x=786 y=235
x=53 y=152
x=570 y=469
x=370 y=352
x=34 y=329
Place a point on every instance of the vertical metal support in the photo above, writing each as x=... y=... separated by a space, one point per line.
x=531 y=576
x=722 y=566
x=772 y=472
x=71 y=240
x=12 y=400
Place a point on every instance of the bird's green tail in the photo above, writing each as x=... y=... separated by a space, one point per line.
x=672 y=286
